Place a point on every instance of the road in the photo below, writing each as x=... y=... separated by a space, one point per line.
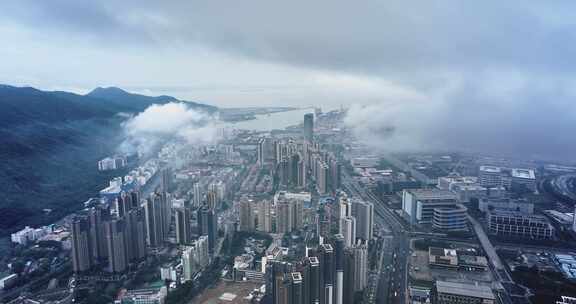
x=392 y=279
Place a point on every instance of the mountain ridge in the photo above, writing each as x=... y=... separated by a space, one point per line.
x=50 y=142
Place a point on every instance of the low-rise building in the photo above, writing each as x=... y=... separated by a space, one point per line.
x=8 y=281
x=419 y=204
x=523 y=178
x=442 y=257
x=514 y=224
x=450 y=219
x=521 y=205
x=459 y=293
x=143 y=296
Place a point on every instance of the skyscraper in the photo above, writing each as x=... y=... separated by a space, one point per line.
x=212 y=199
x=114 y=231
x=183 y=227
x=339 y=269
x=312 y=278
x=246 y=218
x=284 y=214
x=264 y=216
x=349 y=275
x=166 y=181
x=275 y=273
x=344 y=206
x=122 y=204
x=197 y=199
x=201 y=245
x=81 y=253
x=308 y=126
x=297 y=288
x=297 y=214
x=136 y=234
x=261 y=152
x=302 y=171
x=189 y=265
x=364 y=214
x=326 y=258
x=348 y=230
x=207 y=225
x=96 y=237
x=155 y=216
x=360 y=266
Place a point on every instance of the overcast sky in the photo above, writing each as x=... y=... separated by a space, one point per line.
x=448 y=70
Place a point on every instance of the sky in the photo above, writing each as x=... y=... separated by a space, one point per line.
x=472 y=75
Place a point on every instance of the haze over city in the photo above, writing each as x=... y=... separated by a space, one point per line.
x=283 y=152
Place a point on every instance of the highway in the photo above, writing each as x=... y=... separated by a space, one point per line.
x=392 y=278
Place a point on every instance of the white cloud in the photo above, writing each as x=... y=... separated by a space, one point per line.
x=172 y=120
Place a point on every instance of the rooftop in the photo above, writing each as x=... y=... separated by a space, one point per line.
x=441 y=251
x=523 y=173
x=490 y=169
x=430 y=194
x=478 y=291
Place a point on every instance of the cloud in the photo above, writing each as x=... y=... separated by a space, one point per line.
x=157 y=123
x=517 y=118
x=493 y=76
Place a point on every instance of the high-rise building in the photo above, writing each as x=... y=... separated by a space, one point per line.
x=189 y=265
x=81 y=253
x=261 y=154
x=297 y=288
x=360 y=266
x=312 y=279
x=322 y=172
x=115 y=232
x=275 y=273
x=197 y=199
x=136 y=234
x=308 y=126
x=122 y=204
x=166 y=179
x=324 y=221
x=297 y=214
x=212 y=199
x=349 y=275
x=326 y=258
x=207 y=225
x=284 y=214
x=154 y=221
x=302 y=171
x=344 y=206
x=339 y=269
x=364 y=214
x=166 y=202
x=201 y=245
x=348 y=230
x=96 y=237
x=334 y=170
x=135 y=198
x=195 y=257
x=264 y=216
x=246 y=215
x=183 y=226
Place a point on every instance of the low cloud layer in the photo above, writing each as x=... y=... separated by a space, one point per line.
x=518 y=119
x=157 y=123
x=490 y=76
